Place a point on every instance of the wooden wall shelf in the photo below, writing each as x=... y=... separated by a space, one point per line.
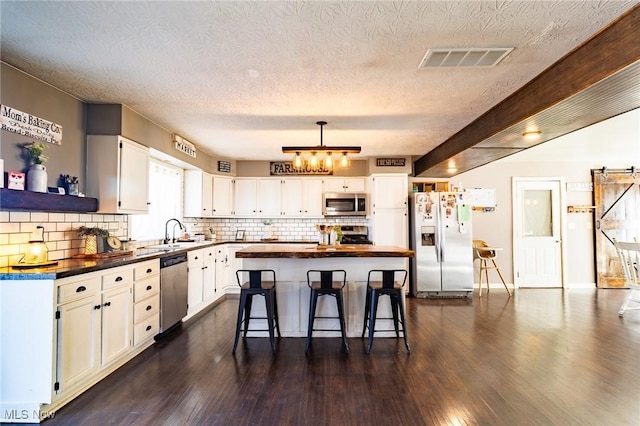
x=11 y=199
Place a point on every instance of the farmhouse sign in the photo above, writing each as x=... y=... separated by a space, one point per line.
x=30 y=126
x=286 y=168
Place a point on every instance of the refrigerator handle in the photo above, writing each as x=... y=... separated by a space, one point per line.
x=441 y=238
x=438 y=235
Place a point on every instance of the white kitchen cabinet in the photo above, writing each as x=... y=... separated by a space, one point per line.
x=389 y=212
x=195 y=281
x=201 y=279
x=146 y=301
x=234 y=264
x=209 y=284
x=355 y=184
x=223 y=268
x=222 y=196
x=302 y=197
x=78 y=332
x=198 y=194
x=269 y=199
x=245 y=197
x=117 y=323
x=117 y=174
x=389 y=191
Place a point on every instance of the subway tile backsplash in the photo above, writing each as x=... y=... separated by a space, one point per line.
x=61 y=237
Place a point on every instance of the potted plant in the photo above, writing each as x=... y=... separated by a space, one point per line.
x=37 y=173
x=94 y=239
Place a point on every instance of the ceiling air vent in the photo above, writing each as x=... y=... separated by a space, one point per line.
x=464 y=57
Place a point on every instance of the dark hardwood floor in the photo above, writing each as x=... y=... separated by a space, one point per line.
x=542 y=357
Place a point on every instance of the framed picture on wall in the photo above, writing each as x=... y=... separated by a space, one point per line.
x=240 y=235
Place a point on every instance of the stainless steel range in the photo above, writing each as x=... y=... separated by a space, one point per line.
x=355 y=235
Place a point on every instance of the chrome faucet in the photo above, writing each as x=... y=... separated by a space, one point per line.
x=166 y=230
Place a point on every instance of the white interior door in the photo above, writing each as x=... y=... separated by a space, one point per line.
x=537 y=223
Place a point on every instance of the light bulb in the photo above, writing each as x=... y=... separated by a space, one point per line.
x=344 y=160
x=328 y=161
x=297 y=161
x=313 y=161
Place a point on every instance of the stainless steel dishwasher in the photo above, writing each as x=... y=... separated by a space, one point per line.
x=173 y=291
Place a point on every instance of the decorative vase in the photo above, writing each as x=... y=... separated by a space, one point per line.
x=90 y=244
x=37 y=178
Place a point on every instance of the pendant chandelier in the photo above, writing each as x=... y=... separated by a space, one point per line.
x=321 y=155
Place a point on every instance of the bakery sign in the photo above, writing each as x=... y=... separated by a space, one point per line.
x=30 y=126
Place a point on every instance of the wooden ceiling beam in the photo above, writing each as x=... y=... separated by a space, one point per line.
x=611 y=50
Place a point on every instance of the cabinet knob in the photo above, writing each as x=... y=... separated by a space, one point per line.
x=149 y=271
x=107 y=304
x=81 y=289
x=149 y=287
x=149 y=308
x=97 y=307
x=148 y=328
x=118 y=279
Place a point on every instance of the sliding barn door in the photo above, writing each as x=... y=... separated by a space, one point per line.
x=617 y=200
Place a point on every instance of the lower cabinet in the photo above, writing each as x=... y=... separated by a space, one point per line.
x=202 y=289
x=103 y=319
x=234 y=265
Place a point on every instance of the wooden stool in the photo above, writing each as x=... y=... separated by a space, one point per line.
x=391 y=287
x=484 y=253
x=326 y=287
x=256 y=286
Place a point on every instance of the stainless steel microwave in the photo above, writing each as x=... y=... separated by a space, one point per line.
x=344 y=204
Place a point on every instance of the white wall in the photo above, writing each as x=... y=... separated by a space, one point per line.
x=614 y=143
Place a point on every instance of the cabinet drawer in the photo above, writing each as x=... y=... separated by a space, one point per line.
x=78 y=289
x=146 y=308
x=145 y=288
x=117 y=278
x=146 y=269
x=146 y=329
x=195 y=257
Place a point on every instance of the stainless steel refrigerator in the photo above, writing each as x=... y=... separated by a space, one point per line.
x=441 y=236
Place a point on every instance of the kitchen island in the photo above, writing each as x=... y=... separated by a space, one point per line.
x=291 y=262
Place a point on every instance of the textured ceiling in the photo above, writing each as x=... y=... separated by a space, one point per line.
x=241 y=79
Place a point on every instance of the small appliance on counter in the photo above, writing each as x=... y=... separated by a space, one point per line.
x=355 y=235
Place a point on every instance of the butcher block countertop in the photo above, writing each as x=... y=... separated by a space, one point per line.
x=308 y=251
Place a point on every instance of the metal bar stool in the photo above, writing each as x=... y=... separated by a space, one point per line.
x=257 y=286
x=390 y=286
x=326 y=287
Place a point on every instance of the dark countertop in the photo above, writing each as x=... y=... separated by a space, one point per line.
x=77 y=266
x=314 y=251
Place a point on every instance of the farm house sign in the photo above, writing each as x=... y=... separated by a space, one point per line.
x=30 y=126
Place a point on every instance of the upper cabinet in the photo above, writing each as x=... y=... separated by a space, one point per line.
x=355 y=184
x=245 y=201
x=222 y=196
x=269 y=197
x=302 y=197
x=389 y=191
x=118 y=174
x=198 y=194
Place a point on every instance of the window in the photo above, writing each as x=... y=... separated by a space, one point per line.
x=165 y=196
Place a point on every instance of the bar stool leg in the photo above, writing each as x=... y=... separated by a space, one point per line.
x=480 y=279
x=342 y=322
x=313 y=300
x=394 y=312
x=247 y=312
x=372 y=318
x=269 y=302
x=367 y=304
x=243 y=300
x=275 y=311
x=404 y=323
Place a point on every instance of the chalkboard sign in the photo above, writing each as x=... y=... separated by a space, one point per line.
x=224 y=166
